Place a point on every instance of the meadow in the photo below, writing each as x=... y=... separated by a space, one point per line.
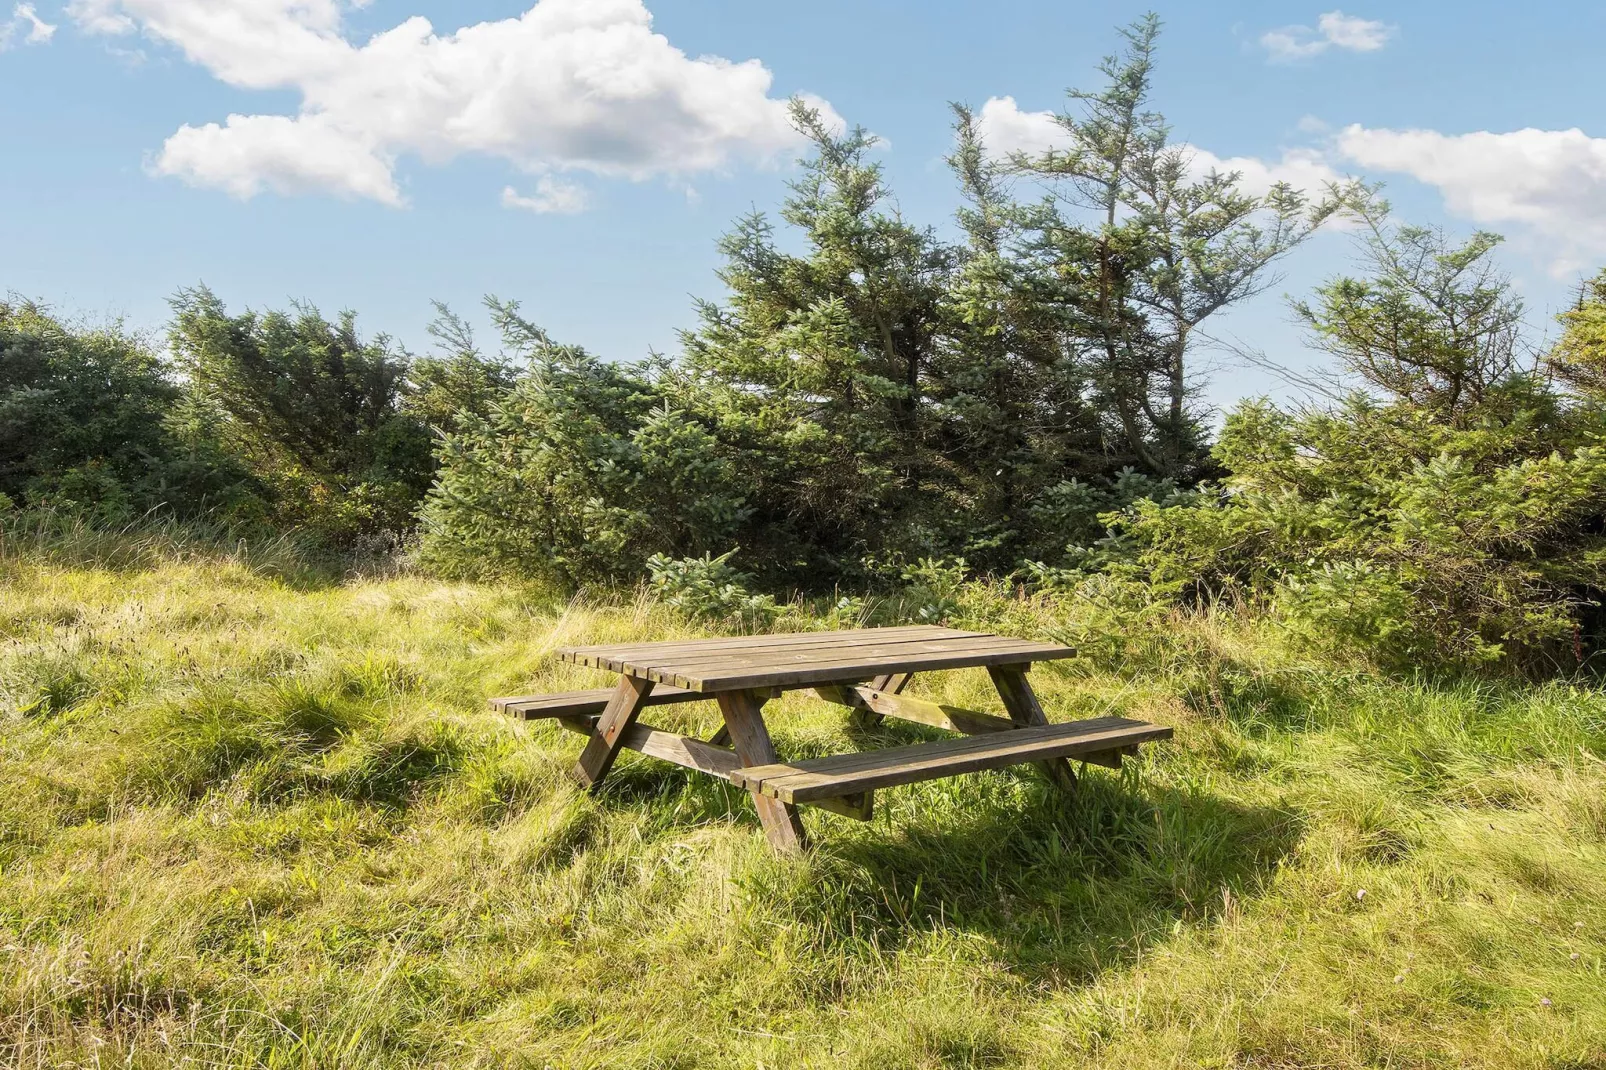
x=256 y=814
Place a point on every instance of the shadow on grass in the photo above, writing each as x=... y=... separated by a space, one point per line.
x=1060 y=887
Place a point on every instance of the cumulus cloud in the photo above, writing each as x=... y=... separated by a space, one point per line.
x=1333 y=29
x=569 y=85
x=1551 y=183
x=551 y=196
x=1005 y=129
x=26 y=25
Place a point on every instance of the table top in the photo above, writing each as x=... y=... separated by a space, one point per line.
x=802 y=659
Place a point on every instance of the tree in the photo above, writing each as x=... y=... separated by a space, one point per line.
x=87 y=422
x=578 y=474
x=813 y=371
x=1579 y=356
x=313 y=408
x=1435 y=323
x=457 y=379
x=1166 y=249
x=1008 y=386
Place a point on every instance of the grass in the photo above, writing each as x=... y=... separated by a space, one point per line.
x=250 y=817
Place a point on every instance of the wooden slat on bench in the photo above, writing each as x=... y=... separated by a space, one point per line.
x=839 y=775
x=584 y=703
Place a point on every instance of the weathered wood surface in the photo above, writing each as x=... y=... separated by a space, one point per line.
x=1024 y=709
x=613 y=656
x=628 y=699
x=708 y=758
x=585 y=703
x=668 y=746
x=799 y=782
x=807 y=658
x=879 y=704
x=743 y=713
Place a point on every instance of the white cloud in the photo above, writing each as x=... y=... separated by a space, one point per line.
x=25 y=17
x=1355 y=34
x=250 y=153
x=1304 y=169
x=579 y=85
x=551 y=196
x=1334 y=29
x=1005 y=128
x=1552 y=183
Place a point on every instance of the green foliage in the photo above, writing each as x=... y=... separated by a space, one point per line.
x=315 y=411
x=1385 y=529
x=1434 y=324
x=91 y=422
x=814 y=371
x=1579 y=357
x=1148 y=251
x=710 y=590
x=579 y=474
x=1452 y=517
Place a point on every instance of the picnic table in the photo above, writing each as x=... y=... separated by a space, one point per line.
x=865 y=670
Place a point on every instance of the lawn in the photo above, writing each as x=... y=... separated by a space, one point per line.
x=252 y=816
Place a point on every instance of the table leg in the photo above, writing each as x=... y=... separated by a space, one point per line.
x=1024 y=709
x=606 y=739
x=744 y=718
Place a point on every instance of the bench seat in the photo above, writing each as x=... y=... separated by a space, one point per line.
x=585 y=703
x=846 y=774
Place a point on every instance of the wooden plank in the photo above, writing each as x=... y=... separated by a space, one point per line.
x=1024 y=709
x=588 y=655
x=831 y=777
x=807 y=654
x=628 y=698
x=668 y=746
x=778 y=655
x=921 y=711
x=966 y=744
x=773 y=639
x=585 y=703
x=860 y=668
x=710 y=758
x=743 y=715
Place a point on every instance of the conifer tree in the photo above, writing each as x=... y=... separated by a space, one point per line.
x=1147 y=249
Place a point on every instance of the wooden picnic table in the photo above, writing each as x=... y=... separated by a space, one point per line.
x=863 y=669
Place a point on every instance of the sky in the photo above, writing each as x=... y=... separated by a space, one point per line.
x=583 y=156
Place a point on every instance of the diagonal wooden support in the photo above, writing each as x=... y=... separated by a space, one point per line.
x=607 y=739
x=1024 y=709
x=744 y=717
x=892 y=683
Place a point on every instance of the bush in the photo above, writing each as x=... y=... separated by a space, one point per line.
x=711 y=590
x=578 y=475
x=88 y=424
x=1388 y=529
x=317 y=412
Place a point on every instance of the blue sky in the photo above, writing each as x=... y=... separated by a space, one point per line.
x=583 y=156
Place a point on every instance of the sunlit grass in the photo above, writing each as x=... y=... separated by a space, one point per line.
x=253 y=816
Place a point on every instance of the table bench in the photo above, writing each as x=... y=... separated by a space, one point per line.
x=864 y=670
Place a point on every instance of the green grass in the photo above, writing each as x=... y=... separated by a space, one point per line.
x=251 y=817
